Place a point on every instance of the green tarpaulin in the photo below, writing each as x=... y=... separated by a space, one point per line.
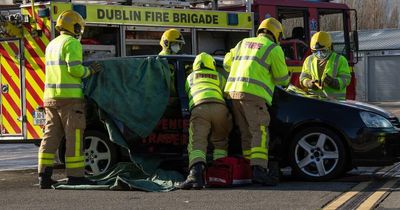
x=135 y=92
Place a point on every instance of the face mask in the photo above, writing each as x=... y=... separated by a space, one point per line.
x=322 y=54
x=175 y=48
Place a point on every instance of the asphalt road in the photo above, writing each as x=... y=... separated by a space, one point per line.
x=19 y=190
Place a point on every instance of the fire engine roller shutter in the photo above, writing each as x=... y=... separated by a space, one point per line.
x=383 y=78
x=10 y=88
x=34 y=50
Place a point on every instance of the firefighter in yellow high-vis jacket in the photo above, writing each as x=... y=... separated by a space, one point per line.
x=171 y=42
x=325 y=72
x=210 y=118
x=64 y=101
x=256 y=65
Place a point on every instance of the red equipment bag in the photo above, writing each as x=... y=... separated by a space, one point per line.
x=229 y=171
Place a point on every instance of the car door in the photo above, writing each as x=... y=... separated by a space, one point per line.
x=169 y=137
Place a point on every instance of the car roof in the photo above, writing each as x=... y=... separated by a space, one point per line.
x=184 y=57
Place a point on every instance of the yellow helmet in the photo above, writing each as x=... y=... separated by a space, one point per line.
x=272 y=25
x=204 y=60
x=70 y=21
x=171 y=36
x=320 y=41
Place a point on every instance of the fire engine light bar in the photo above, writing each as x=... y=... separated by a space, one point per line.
x=81 y=9
x=233 y=19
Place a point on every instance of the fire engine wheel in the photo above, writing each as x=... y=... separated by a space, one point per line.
x=317 y=154
x=100 y=153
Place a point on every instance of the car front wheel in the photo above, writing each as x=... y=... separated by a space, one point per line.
x=317 y=154
x=100 y=153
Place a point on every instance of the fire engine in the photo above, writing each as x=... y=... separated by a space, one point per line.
x=111 y=30
x=301 y=19
x=114 y=29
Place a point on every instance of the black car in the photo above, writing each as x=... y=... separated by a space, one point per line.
x=319 y=139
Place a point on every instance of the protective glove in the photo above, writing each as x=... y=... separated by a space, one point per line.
x=331 y=82
x=310 y=84
x=95 y=68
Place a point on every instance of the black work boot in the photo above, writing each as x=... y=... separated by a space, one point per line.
x=45 y=180
x=261 y=176
x=274 y=170
x=195 y=179
x=73 y=180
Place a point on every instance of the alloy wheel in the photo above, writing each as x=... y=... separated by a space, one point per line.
x=316 y=154
x=97 y=155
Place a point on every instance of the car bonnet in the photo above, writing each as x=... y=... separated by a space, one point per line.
x=368 y=107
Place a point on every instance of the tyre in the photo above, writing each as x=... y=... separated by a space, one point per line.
x=317 y=154
x=100 y=153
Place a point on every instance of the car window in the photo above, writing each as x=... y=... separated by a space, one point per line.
x=301 y=51
x=288 y=49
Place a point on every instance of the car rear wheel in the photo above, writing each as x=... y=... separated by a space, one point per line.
x=100 y=153
x=317 y=154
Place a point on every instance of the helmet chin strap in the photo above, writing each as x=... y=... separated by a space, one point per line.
x=76 y=36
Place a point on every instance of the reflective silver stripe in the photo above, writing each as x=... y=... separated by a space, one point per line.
x=256 y=59
x=191 y=80
x=344 y=79
x=310 y=62
x=345 y=76
x=63 y=86
x=204 y=82
x=55 y=63
x=61 y=62
x=335 y=66
x=192 y=95
x=237 y=50
x=281 y=79
x=253 y=81
x=74 y=63
x=262 y=61
x=267 y=52
x=305 y=75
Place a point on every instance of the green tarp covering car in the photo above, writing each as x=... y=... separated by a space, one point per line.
x=134 y=92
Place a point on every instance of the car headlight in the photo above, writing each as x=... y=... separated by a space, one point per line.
x=373 y=120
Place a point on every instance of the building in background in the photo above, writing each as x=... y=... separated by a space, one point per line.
x=378 y=69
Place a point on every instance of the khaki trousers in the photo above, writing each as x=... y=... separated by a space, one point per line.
x=252 y=117
x=208 y=120
x=64 y=118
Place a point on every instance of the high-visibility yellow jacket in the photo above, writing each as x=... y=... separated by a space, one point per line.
x=336 y=67
x=257 y=65
x=228 y=60
x=164 y=52
x=64 y=69
x=204 y=86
